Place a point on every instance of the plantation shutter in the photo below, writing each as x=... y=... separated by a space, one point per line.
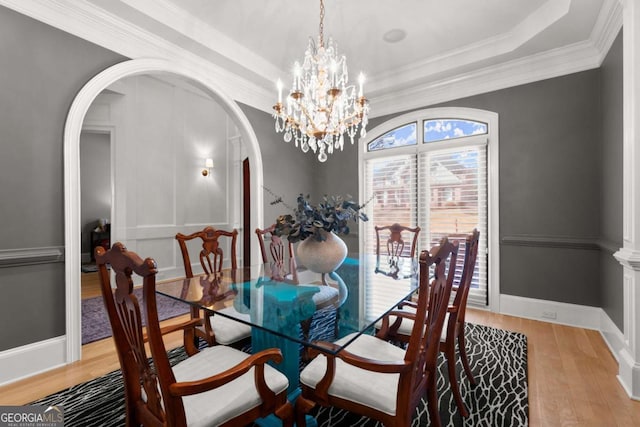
x=391 y=182
x=453 y=201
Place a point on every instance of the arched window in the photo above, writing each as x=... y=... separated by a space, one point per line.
x=431 y=168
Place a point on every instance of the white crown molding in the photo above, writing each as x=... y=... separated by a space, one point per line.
x=472 y=53
x=579 y=57
x=94 y=24
x=607 y=27
x=175 y=17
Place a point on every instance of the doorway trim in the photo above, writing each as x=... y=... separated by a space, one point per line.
x=73 y=127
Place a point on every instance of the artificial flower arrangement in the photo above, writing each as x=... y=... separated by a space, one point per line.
x=331 y=215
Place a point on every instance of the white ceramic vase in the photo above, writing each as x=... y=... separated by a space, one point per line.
x=322 y=256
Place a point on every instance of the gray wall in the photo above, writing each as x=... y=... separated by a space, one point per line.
x=41 y=71
x=549 y=181
x=287 y=170
x=554 y=138
x=553 y=181
x=611 y=190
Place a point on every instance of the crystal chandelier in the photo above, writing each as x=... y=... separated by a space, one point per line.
x=321 y=106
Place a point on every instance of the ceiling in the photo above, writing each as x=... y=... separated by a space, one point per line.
x=450 y=49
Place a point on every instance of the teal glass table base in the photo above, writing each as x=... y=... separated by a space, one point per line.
x=278 y=315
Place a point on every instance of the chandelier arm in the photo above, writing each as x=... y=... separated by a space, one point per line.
x=309 y=118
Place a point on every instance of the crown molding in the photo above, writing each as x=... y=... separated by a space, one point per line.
x=481 y=50
x=579 y=57
x=91 y=23
x=200 y=32
x=607 y=26
x=241 y=83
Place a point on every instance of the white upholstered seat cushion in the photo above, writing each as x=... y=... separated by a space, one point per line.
x=219 y=405
x=373 y=389
x=228 y=331
x=327 y=295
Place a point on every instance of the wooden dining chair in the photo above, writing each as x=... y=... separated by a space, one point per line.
x=279 y=255
x=395 y=242
x=282 y=261
x=398 y=329
x=219 y=385
x=211 y=256
x=215 y=329
x=380 y=380
x=454 y=332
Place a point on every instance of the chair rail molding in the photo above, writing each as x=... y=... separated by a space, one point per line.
x=30 y=256
x=552 y=242
x=629 y=258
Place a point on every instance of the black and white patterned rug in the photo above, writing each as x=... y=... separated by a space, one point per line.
x=498 y=360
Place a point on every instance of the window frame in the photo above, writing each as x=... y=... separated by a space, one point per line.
x=491 y=139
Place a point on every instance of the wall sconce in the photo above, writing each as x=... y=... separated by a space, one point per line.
x=208 y=164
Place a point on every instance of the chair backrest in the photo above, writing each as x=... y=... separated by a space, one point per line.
x=396 y=242
x=280 y=254
x=395 y=245
x=125 y=317
x=424 y=344
x=211 y=256
x=469 y=265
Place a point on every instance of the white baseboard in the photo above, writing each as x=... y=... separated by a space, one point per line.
x=613 y=337
x=42 y=356
x=32 y=359
x=581 y=316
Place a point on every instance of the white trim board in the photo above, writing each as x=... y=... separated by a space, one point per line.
x=562 y=313
x=42 y=356
x=240 y=80
x=32 y=359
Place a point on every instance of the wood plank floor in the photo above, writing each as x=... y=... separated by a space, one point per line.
x=572 y=374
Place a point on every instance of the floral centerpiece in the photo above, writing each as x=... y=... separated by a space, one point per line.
x=331 y=215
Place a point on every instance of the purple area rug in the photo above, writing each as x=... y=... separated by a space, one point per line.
x=95 y=322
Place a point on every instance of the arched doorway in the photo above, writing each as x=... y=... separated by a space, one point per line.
x=73 y=128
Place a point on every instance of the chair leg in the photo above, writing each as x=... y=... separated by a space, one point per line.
x=432 y=403
x=453 y=380
x=285 y=413
x=305 y=325
x=465 y=360
x=302 y=407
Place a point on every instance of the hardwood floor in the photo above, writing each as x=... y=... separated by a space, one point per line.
x=89 y=285
x=572 y=374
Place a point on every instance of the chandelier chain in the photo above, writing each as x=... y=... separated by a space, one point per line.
x=321 y=41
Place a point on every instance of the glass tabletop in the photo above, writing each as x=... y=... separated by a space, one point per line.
x=262 y=298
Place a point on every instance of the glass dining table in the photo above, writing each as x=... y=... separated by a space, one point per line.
x=274 y=306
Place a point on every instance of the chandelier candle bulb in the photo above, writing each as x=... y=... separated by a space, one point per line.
x=361 y=84
x=279 y=85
